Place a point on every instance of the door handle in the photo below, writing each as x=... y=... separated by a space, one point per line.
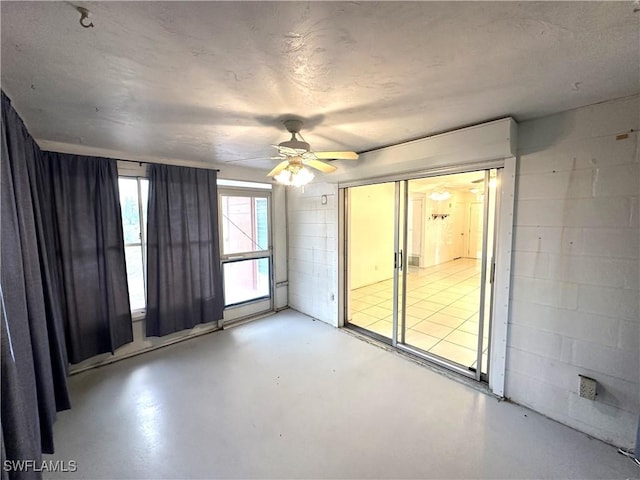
x=400 y=266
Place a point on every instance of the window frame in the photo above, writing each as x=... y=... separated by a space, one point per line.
x=236 y=312
x=249 y=255
x=139 y=313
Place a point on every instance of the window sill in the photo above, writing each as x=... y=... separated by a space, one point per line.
x=138 y=315
x=247 y=302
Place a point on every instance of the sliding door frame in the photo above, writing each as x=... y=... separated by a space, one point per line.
x=398 y=310
x=501 y=254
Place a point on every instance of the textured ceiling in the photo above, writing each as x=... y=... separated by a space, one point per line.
x=210 y=81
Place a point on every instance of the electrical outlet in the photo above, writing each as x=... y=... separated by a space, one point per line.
x=587 y=387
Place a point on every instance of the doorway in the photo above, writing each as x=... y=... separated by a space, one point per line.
x=435 y=300
x=372 y=263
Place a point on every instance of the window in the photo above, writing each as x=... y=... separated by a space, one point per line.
x=244 y=224
x=246 y=280
x=245 y=246
x=244 y=241
x=134 y=192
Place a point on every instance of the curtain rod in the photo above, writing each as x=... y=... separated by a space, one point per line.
x=140 y=162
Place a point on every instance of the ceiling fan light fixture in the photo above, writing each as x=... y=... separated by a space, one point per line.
x=295 y=175
x=440 y=196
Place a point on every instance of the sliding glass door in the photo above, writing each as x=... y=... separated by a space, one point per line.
x=372 y=261
x=419 y=265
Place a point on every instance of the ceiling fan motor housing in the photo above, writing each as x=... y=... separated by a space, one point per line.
x=293 y=125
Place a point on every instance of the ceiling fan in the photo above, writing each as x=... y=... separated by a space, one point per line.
x=296 y=153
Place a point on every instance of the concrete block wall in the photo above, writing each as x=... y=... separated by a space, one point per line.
x=575 y=294
x=576 y=262
x=313 y=250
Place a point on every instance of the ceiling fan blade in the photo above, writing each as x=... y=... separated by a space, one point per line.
x=281 y=166
x=337 y=155
x=250 y=159
x=318 y=165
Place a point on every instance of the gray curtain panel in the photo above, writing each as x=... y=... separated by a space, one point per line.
x=90 y=252
x=51 y=276
x=63 y=282
x=20 y=440
x=34 y=364
x=184 y=283
x=20 y=411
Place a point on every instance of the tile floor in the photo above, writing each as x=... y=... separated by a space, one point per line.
x=442 y=310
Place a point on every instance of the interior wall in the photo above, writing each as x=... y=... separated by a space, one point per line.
x=313 y=250
x=575 y=269
x=576 y=264
x=371 y=234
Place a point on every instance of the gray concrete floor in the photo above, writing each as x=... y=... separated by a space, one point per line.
x=286 y=396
